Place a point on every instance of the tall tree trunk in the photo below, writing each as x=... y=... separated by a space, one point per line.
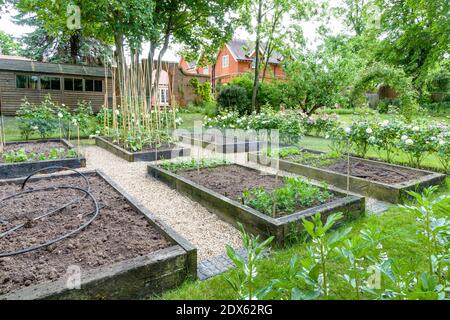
x=257 y=44
x=75 y=40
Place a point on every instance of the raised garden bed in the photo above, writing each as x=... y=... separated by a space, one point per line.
x=29 y=153
x=168 y=151
x=220 y=143
x=218 y=189
x=379 y=180
x=124 y=253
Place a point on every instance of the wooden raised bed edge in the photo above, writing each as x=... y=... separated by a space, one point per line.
x=21 y=169
x=141 y=155
x=231 y=211
x=394 y=193
x=236 y=147
x=138 y=277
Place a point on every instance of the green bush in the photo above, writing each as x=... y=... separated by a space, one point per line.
x=234 y=98
x=41 y=119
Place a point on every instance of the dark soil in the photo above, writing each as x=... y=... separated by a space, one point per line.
x=231 y=180
x=375 y=172
x=34 y=147
x=360 y=168
x=119 y=232
x=148 y=147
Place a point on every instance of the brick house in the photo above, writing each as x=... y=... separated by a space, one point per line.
x=234 y=59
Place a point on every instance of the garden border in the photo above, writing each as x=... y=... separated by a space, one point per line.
x=236 y=147
x=138 y=277
x=231 y=211
x=394 y=193
x=141 y=155
x=21 y=169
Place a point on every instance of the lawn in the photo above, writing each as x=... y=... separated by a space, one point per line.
x=346 y=119
x=399 y=240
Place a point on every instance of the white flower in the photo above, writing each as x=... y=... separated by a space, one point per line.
x=97 y=132
x=372 y=139
x=74 y=122
x=409 y=141
x=63 y=105
x=415 y=128
x=327 y=136
x=369 y=130
x=433 y=138
x=60 y=115
x=385 y=123
x=34 y=127
x=118 y=112
x=348 y=130
x=404 y=137
x=441 y=142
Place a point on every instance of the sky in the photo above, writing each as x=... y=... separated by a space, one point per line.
x=309 y=30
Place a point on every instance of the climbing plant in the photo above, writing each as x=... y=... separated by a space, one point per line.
x=202 y=90
x=393 y=77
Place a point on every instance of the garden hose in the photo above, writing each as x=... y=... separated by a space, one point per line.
x=86 y=194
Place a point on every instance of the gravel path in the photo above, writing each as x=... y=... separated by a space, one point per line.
x=201 y=227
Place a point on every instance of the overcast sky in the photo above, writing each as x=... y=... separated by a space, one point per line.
x=309 y=29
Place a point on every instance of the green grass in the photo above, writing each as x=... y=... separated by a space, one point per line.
x=346 y=119
x=189 y=119
x=400 y=241
x=12 y=132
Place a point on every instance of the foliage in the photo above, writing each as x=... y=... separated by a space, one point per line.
x=385 y=136
x=308 y=158
x=48 y=118
x=361 y=135
x=21 y=155
x=202 y=90
x=314 y=81
x=233 y=98
x=294 y=194
x=395 y=78
x=193 y=164
x=8 y=45
x=41 y=119
x=244 y=283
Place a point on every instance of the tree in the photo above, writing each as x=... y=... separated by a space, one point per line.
x=313 y=81
x=8 y=44
x=416 y=35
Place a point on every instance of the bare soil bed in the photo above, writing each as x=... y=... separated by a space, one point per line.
x=231 y=180
x=38 y=147
x=362 y=169
x=118 y=233
x=375 y=172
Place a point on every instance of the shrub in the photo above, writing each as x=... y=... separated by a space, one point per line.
x=417 y=142
x=202 y=90
x=234 y=98
x=361 y=135
x=41 y=119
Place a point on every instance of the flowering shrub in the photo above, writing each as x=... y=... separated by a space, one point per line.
x=416 y=141
x=41 y=119
x=442 y=148
x=386 y=136
x=288 y=123
x=320 y=124
x=361 y=135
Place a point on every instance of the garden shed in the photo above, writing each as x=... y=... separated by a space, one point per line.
x=66 y=83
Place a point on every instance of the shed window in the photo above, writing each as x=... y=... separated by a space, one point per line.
x=68 y=84
x=27 y=82
x=98 y=85
x=88 y=85
x=78 y=84
x=50 y=83
x=72 y=84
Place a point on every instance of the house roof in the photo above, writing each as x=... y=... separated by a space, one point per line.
x=244 y=49
x=17 y=64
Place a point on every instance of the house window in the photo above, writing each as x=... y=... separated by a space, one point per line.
x=164 y=96
x=50 y=83
x=73 y=84
x=225 y=61
x=27 y=82
x=206 y=70
x=254 y=63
